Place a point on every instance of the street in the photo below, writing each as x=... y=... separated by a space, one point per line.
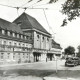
x=50 y=65
x=38 y=70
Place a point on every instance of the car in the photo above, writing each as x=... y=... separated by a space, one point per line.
x=72 y=61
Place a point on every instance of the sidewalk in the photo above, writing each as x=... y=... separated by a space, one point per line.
x=55 y=78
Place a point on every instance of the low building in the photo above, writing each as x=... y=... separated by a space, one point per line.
x=56 y=50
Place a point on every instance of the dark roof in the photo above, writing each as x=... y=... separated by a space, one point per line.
x=6 y=25
x=28 y=22
x=9 y=26
x=55 y=45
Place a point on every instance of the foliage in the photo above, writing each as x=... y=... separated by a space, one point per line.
x=70 y=50
x=71 y=8
x=78 y=54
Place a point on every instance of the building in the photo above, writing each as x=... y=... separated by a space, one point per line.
x=25 y=40
x=13 y=43
x=56 y=50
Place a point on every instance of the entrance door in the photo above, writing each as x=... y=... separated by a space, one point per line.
x=49 y=56
x=36 y=56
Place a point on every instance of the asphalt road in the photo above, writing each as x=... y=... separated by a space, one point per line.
x=50 y=65
x=40 y=69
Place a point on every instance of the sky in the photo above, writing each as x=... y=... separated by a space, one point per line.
x=65 y=36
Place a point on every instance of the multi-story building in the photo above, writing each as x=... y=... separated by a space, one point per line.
x=25 y=40
x=14 y=44
x=42 y=40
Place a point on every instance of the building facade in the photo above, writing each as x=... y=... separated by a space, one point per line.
x=25 y=40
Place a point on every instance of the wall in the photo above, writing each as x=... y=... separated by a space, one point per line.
x=41 y=42
x=11 y=52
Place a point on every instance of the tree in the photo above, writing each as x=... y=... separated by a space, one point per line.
x=70 y=50
x=71 y=8
x=78 y=54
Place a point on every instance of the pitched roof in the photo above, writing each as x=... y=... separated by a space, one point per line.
x=9 y=26
x=28 y=22
x=55 y=45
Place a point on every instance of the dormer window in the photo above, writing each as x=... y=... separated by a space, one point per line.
x=19 y=23
x=17 y=35
x=25 y=37
x=8 y=33
x=13 y=34
x=3 y=32
x=21 y=36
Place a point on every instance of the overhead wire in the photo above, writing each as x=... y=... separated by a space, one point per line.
x=22 y=7
x=47 y=21
x=30 y=8
x=8 y=6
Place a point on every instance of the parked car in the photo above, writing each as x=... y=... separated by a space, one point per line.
x=72 y=61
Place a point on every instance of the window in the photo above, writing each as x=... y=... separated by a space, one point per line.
x=13 y=55
x=25 y=37
x=13 y=34
x=38 y=36
x=21 y=36
x=8 y=33
x=42 y=38
x=2 y=55
x=18 y=53
x=8 y=55
x=17 y=35
x=23 y=55
x=15 y=44
x=19 y=44
x=9 y=43
x=4 y=42
x=23 y=45
x=3 y=31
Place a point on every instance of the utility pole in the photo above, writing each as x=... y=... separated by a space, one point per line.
x=56 y=66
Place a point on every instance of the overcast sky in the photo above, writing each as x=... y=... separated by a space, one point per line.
x=68 y=35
